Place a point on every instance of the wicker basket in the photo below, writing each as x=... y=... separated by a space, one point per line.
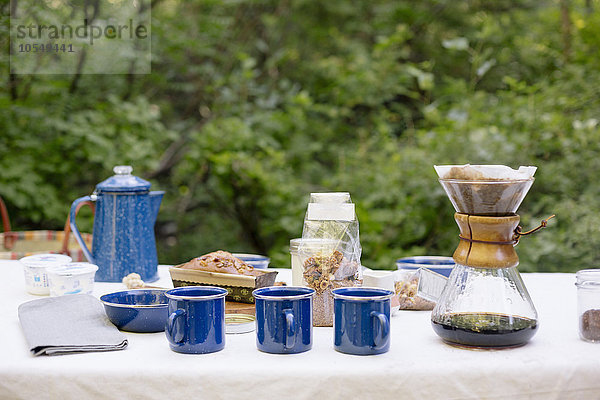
x=15 y=245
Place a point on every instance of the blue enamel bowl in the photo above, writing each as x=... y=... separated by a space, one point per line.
x=137 y=310
x=441 y=265
x=255 y=260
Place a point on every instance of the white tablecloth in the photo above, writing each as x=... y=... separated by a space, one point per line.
x=556 y=364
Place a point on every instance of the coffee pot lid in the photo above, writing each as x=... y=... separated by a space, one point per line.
x=123 y=181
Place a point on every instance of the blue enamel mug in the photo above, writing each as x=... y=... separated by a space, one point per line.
x=283 y=319
x=196 y=322
x=361 y=322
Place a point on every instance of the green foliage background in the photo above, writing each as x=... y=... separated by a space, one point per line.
x=253 y=104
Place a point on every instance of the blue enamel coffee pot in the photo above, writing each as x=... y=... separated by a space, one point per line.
x=123 y=240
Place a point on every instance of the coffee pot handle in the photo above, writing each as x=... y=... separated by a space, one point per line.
x=67 y=230
x=74 y=208
x=381 y=329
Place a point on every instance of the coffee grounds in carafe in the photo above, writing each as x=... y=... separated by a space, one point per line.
x=485 y=329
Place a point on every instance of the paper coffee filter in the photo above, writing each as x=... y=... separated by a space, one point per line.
x=484 y=172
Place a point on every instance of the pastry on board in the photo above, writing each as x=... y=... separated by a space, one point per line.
x=222 y=262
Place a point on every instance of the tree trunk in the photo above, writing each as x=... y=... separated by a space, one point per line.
x=566 y=28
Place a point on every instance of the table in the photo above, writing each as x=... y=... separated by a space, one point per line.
x=556 y=364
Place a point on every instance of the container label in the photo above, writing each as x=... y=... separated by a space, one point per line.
x=330 y=212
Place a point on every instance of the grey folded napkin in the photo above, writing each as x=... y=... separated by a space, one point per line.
x=68 y=324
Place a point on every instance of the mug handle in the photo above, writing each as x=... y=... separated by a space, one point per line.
x=290 y=329
x=175 y=332
x=381 y=329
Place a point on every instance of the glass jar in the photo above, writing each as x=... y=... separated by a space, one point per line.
x=315 y=245
x=296 y=262
x=588 y=304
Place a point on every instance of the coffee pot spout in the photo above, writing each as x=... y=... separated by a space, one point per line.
x=155 y=200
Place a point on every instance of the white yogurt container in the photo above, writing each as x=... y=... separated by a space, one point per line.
x=379 y=278
x=73 y=278
x=34 y=267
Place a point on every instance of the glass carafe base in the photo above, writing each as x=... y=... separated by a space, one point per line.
x=486 y=330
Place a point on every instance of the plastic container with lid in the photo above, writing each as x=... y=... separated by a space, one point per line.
x=72 y=278
x=588 y=304
x=34 y=267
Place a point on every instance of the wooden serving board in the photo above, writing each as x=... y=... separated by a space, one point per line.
x=232 y=307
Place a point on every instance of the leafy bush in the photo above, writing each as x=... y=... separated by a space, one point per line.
x=252 y=105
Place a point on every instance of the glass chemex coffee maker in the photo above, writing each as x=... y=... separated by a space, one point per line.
x=484 y=302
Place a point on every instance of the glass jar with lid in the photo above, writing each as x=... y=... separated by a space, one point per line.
x=588 y=304
x=314 y=245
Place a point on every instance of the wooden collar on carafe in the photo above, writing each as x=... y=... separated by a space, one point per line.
x=486 y=242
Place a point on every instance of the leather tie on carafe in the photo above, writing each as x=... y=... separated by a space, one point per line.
x=488 y=242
